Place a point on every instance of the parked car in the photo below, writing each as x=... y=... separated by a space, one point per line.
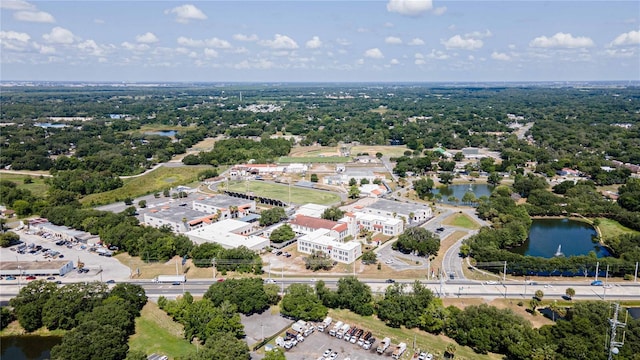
x=51 y=278
x=31 y=277
x=390 y=281
x=111 y=281
x=597 y=283
x=10 y=277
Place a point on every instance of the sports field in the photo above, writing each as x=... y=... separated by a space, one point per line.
x=281 y=192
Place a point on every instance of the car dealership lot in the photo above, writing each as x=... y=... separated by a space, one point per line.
x=317 y=343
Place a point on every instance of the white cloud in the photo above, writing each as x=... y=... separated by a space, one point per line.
x=394 y=62
x=147 y=38
x=438 y=55
x=439 y=10
x=416 y=42
x=374 y=53
x=213 y=42
x=92 y=48
x=471 y=57
x=512 y=46
x=630 y=38
x=343 y=41
x=243 y=37
x=98 y=21
x=360 y=62
x=59 y=35
x=186 y=13
x=393 y=40
x=210 y=53
x=13 y=40
x=16 y=5
x=500 y=56
x=34 y=16
x=561 y=40
x=314 y=43
x=620 y=53
x=44 y=49
x=261 y=64
x=409 y=7
x=134 y=47
x=479 y=34
x=418 y=56
x=458 y=42
x=280 y=42
x=419 y=59
x=388 y=25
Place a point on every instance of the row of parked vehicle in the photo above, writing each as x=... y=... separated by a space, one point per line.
x=353 y=335
x=299 y=330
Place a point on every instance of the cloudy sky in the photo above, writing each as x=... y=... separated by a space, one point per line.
x=390 y=40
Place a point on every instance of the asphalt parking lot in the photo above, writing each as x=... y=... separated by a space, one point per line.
x=101 y=268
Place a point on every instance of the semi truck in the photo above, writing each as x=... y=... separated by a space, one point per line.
x=335 y=328
x=325 y=324
x=384 y=345
x=399 y=350
x=299 y=326
x=170 y=279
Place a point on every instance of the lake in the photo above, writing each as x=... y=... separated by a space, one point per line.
x=574 y=237
x=459 y=190
x=28 y=347
x=169 y=133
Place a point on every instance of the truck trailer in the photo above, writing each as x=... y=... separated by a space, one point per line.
x=325 y=324
x=170 y=279
x=335 y=328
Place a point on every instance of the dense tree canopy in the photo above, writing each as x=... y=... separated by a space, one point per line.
x=417 y=239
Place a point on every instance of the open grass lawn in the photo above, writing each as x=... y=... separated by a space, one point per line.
x=425 y=341
x=157 y=180
x=37 y=188
x=281 y=192
x=611 y=229
x=461 y=220
x=314 y=159
x=386 y=150
x=157 y=333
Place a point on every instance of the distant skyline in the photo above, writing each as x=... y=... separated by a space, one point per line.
x=319 y=41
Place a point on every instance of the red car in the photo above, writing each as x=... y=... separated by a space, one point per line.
x=31 y=277
x=220 y=279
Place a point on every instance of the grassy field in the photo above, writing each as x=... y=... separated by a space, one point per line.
x=611 y=229
x=157 y=333
x=281 y=192
x=386 y=150
x=158 y=180
x=425 y=341
x=314 y=159
x=461 y=220
x=37 y=188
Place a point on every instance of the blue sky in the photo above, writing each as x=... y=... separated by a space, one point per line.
x=309 y=41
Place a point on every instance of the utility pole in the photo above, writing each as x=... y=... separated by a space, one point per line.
x=213 y=262
x=597 y=267
x=615 y=324
x=635 y=276
x=504 y=273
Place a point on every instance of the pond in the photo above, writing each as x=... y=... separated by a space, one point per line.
x=459 y=190
x=28 y=347
x=572 y=237
x=169 y=133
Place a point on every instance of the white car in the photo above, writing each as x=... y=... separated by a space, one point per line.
x=390 y=261
x=491 y=282
x=270 y=281
x=326 y=353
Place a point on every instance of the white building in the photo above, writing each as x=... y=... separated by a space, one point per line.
x=376 y=223
x=340 y=230
x=321 y=240
x=410 y=212
x=36 y=268
x=229 y=234
x=179 y=219
x=228 y=207
x=313 y=210
x=372 y=190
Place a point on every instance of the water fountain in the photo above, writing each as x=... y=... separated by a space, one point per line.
x=559 y=251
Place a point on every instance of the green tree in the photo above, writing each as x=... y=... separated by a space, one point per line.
x=353 y=182
x=355 y=296
x=223 y=347
x=91 y=340
x=354 y=192
x=272 y=216
x=142 y=204
x=314 y=178
x=21 y=207
x=275 y=354
x=6 y=317
x=539 y=294
x=8 y=239
x=423 y=187
x=247 y=294
x=494 y=178
x=282 y=234
x=369 y=257
x=445 y=177
x=417 y=239
x=136 y=355
x=133 y=294
x=301 y=302
x=332 y=213
x=29 y=303
x=469 y=197
x=570 y=292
